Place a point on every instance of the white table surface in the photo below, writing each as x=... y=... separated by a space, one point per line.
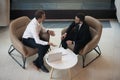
x=69 y=59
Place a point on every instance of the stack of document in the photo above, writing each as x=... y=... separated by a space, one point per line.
x=54 y=55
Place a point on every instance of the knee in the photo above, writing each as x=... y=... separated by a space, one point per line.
x=48 y=46
x=76 y=51
x=64 y=44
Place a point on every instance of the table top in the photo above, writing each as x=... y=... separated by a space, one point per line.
x=69 y=59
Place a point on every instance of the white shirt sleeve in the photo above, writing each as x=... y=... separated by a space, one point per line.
x=35 y=33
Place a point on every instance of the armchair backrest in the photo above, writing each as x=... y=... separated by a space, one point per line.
x=16 y=29
x=18 y=26
x=95 y=27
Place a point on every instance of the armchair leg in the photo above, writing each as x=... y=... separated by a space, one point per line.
x=60 y=44
x=11 y=49
x=99 y=52
x=84 y=57
x=24 y=61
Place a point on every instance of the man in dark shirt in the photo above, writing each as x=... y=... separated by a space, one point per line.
x=77 y=33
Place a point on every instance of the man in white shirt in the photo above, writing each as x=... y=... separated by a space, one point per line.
x=31 y=38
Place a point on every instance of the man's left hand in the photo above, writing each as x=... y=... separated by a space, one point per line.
x=69 y=42
x=52 y=33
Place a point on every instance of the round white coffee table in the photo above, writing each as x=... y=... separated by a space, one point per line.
x=69 y=59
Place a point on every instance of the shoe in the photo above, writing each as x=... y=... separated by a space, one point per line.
x=44 y=69
x=36 y=64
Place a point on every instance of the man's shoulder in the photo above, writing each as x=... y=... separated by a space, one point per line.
x=32 y=22
x=85 y=24
x=73 y=24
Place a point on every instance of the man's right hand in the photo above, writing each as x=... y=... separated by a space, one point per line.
x=63 y=36
x=51 y=44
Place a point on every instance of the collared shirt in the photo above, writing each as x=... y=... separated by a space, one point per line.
x=80 y=26
x=32 y=31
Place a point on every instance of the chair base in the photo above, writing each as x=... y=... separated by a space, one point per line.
x=84 y=57
x=11 y=49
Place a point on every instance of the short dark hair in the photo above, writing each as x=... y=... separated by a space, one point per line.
x=81 y=16
x=39 y=13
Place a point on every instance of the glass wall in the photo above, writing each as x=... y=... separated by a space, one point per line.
x=61 y=4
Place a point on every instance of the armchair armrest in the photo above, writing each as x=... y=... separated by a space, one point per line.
x=64 y=30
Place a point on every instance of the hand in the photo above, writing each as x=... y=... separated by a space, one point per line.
x=51 y=44
x=52 y=33
x=69 y=42
x=63 y=36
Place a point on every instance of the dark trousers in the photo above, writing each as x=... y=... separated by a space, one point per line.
x=71 y=37
x=42 y=50
x=65 y=46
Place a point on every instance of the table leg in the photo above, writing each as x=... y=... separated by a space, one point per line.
x=51 y=73
x=69 y=72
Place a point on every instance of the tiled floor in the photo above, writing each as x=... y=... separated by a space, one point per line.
x=106 y=67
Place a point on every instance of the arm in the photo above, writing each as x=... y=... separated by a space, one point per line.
x=85 y=35
x=48 y=31
x=70 y=27
x=35 y=33
x=43 y=28
x=67 y=30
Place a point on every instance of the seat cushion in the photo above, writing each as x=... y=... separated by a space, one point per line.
x=30 y=51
